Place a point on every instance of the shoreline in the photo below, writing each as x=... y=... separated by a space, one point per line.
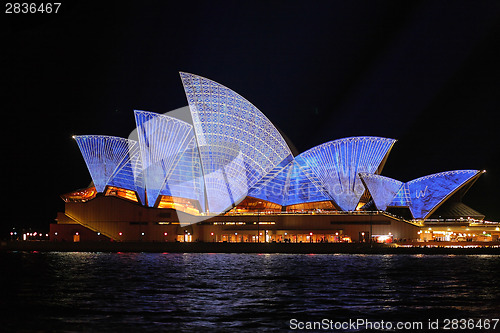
x=285 y=248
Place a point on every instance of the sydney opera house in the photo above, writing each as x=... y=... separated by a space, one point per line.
x=223 y=173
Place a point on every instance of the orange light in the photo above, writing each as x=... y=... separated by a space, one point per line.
x=311 y=233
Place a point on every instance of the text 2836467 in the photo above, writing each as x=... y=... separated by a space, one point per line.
x=32 y=8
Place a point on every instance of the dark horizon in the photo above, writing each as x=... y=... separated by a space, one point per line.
x=424 y=73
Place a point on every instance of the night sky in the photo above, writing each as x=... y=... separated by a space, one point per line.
x=423 y=72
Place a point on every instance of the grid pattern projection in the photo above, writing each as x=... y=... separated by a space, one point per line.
x=236 y=133
x=382 y=189
x=224 y=176
x=186 y=178
x=102 y=154
x=128 y=174
x=337 y=165
x=289 y=185
x=274 y=186
x=304 y=187
x=138 y=171
x=162 y=140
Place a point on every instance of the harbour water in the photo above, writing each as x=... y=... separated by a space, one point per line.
x=130 y=292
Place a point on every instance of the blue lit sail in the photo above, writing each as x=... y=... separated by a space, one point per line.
x=425 y=194
x=238 y=144
x=186 y=178
x=274 y=186
x=289 y=185
x=303 y=185
x=102 y=154
x=382 y=189
x=428 y=192
x=129 y=174
x=337 y=165
x=162 y=140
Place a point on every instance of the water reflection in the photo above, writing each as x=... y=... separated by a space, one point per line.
x=132 y=291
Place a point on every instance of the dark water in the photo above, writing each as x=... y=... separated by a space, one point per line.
x=133 y=292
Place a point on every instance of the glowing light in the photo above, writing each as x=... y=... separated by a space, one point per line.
x=337 y=165
x=382 y=189
x=423 y=195
x=162 y=140
x=294 y=183
x=238 y=144
x=430 y=191
x=384 y=238
x=103 y=155
x=232 y=150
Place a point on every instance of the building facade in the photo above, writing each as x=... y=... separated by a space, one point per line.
x=225 y=173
